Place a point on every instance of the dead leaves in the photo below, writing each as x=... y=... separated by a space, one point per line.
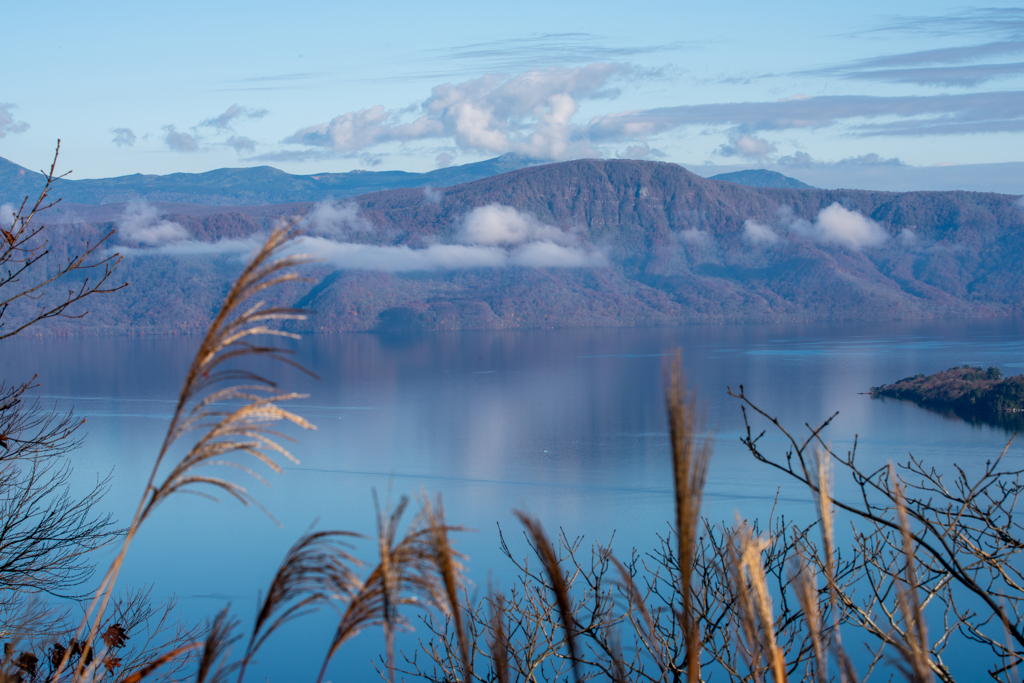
x=115 y=636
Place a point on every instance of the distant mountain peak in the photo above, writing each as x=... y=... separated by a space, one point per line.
x=762 y=177
x=245 y=186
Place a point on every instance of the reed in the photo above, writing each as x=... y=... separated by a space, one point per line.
x=316 y=570
x=220 y=636
x=405 y=574
x=498 y=643
x=691 y=456
x=549 y=560
x=755 y=612
x=449 y=568
x=211 y=385
x=913 y=647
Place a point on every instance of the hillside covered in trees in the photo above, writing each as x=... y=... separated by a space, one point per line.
x=574 y=244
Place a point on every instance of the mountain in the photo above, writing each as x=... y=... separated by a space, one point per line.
x=762 y=177
x=242 y=186
x=676 y=248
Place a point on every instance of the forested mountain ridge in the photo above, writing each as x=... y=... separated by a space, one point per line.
x=635 y=243
x=241 y=186
x=760 y=177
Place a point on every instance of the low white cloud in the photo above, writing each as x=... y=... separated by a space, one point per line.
x=432 y=195
x=499 y=224
x=838 y=225
x=7 y=122
x=401 y=258
x=179 y=141
x=503 y=238
x=908 y=237
x=141 y=223
x=336 y=220
x=6 y=216
x=444 y=159
x=759 y=233
x=697 y=237
x=223 y=247
x=545 y=254
x=439 y=257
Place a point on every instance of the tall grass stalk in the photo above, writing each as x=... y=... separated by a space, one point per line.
x=691 y=456
x=552 y=567
x=914 y=647
x=200 y=408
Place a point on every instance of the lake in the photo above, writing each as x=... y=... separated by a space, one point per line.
x=566 y=424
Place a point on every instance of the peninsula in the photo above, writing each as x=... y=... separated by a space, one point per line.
x=970 y=392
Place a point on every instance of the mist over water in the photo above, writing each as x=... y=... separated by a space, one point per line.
x=567 y=424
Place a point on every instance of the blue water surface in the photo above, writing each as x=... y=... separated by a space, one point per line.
x=568 y=425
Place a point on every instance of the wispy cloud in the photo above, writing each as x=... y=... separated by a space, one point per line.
x=994 y=21
x=805 y=160
x=179 y=141
x=999 y=111
x=554 y=49
x=7 y=122
x=123 y=137
x=533 y=114
x=223 y=247
x=233 y=113
x=273 y=82
x=241 y=144
x=641 y=151
x=939 y=67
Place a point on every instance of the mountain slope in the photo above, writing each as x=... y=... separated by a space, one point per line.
x=762 y=177
x=678 y=248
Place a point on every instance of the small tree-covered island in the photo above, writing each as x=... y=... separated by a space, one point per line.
x=971 y=393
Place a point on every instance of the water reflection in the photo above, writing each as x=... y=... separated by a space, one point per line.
x=568 y=424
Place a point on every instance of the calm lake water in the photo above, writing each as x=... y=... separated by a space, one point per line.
x=566 y=424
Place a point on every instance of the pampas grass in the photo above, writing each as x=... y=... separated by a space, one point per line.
x=549 y=560
x=691 y=456
x=211 y=385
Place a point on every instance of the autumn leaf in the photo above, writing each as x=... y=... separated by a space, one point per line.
x=8 y=236
x=27 y=662
x=111 y=663
x=115 y=636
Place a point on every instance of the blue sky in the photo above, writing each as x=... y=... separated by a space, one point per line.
x=808 y=87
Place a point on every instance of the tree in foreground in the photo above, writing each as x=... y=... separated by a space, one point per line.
x=47 y=534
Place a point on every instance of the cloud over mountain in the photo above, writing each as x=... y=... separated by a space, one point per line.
x=7 y=122
x=179 y=141
x=141 y=222
x=529 y=113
